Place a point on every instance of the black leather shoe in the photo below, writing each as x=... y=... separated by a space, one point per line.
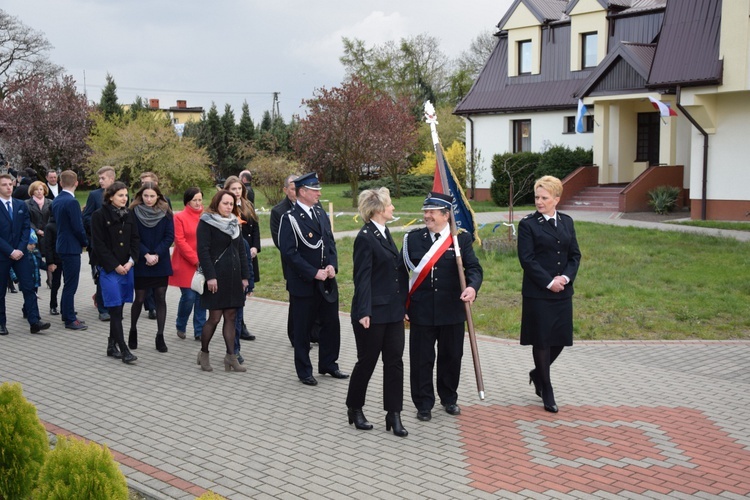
x=452 y=409
x=309 y=380
x=3 y=330
x=152 y=314
x=393 y=419
x=245 y=335
x=357 y=417
x=335 y=373
x=53 y=311
x=548 y=399
x=551 y=408
x=424 y=415
x=38 y=327
x=112 y=350
x=127 y=356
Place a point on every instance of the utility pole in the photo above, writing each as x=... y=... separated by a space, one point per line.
x=275 y=106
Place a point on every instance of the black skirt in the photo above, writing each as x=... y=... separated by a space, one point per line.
x=547 y=323
x=146 y=282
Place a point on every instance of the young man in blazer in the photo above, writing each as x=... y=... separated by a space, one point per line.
x=15 y=228
x=71 y=238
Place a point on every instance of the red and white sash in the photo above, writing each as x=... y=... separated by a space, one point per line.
x=420 y=272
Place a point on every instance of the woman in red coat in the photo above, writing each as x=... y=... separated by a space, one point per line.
x=185 y=262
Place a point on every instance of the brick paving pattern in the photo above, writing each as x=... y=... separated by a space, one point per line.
x=637 y=419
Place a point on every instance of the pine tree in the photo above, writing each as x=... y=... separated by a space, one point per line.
x=246 y=128
x=108 y=104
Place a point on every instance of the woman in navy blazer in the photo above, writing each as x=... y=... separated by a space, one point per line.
x=549 y=255
x=154 y=266
x=378 y=309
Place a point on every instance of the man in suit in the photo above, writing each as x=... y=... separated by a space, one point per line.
x=71 y=238
x=277 y=211
x=15 y=229
x=93 y=203
x=435 y=307
x=309 y=252
x=52 y=185
x=22 y=191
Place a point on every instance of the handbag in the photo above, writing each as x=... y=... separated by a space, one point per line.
x=198 y=283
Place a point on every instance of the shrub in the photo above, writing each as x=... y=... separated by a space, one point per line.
x=269 y=174
x=664 y=198
x=520 y=168
x=561 y=160
x=23 y=443
x=76 y=469
x=210 y=495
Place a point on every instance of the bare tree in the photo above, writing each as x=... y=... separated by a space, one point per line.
x=473 y=60
x=23 y=55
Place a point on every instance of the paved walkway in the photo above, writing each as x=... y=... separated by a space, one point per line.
x=637 y=419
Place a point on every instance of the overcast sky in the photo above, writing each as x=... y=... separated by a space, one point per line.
x=228 y=51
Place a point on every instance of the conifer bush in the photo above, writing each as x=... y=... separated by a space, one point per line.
x=76 y=469
x=23 y=443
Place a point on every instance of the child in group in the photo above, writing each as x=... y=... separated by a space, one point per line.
x=37 y=263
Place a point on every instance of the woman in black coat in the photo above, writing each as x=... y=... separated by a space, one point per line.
x=154 y=266
x=221 y=253
x=40 y=210
x=115 y=247
x=251 y=232
x=549 y=255
x=378 y=309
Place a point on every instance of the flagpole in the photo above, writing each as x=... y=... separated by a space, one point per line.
x=431 y=119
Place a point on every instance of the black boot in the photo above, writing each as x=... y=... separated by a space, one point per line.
x=133 y=339
x=161 y=346
x=393 y=419
x=127 y=356
x=245 y=334
x=112 y=350
x=357 y=418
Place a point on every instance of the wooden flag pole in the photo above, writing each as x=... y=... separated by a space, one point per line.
x=431 y=118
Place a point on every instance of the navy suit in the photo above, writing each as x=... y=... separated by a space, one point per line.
x=310 y=298
x=93 y=203
x=14 y=235
x=71 y=238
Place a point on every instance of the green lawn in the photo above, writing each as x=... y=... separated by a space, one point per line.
x=633 y=284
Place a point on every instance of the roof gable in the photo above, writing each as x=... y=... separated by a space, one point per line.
x=623 y=70
x=543 y=11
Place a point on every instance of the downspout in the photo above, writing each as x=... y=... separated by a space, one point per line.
x=472 y=160
x=704 y=194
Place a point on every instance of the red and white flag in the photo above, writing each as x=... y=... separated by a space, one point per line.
x=663 y=108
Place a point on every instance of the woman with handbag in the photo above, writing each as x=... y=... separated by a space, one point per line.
x=115 y=250
x=153 y=268
x=221 y=253
x=185 y=263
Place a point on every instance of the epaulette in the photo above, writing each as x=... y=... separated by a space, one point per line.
x=415 y=229
x=528 y=216
x=564 y=215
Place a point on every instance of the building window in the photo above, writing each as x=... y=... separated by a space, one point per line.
x=588 y=50
x=521 y=136
x=524 y=57
x=647 y=146
x=569 y=124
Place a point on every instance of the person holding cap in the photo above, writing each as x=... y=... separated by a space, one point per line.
x=435 y=305
x=309 y=252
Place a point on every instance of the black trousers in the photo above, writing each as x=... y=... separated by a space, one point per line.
x=305 y=310
x=450 y=350
x=388 y=339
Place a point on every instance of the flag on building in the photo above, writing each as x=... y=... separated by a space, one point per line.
x=580 y=126
x=663 y=108
x=446 y=182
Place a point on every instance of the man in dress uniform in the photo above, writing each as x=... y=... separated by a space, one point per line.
x=435 y=307
x=309 y=252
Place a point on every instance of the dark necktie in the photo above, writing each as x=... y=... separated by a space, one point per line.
x=437 y=236
x=388 y=237
x=313 y=216
x=10 y=209
x=553 y=222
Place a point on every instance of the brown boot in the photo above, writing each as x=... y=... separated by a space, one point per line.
x=231 y=363
x=203 y=361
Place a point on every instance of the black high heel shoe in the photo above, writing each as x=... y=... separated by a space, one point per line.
x=357 y=417
x=532 y=379
x=393 y=419
x=548 y=398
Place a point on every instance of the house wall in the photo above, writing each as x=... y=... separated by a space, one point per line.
x=494 y=135
x=519 y=35
x=728 y=151
x=734 y=46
